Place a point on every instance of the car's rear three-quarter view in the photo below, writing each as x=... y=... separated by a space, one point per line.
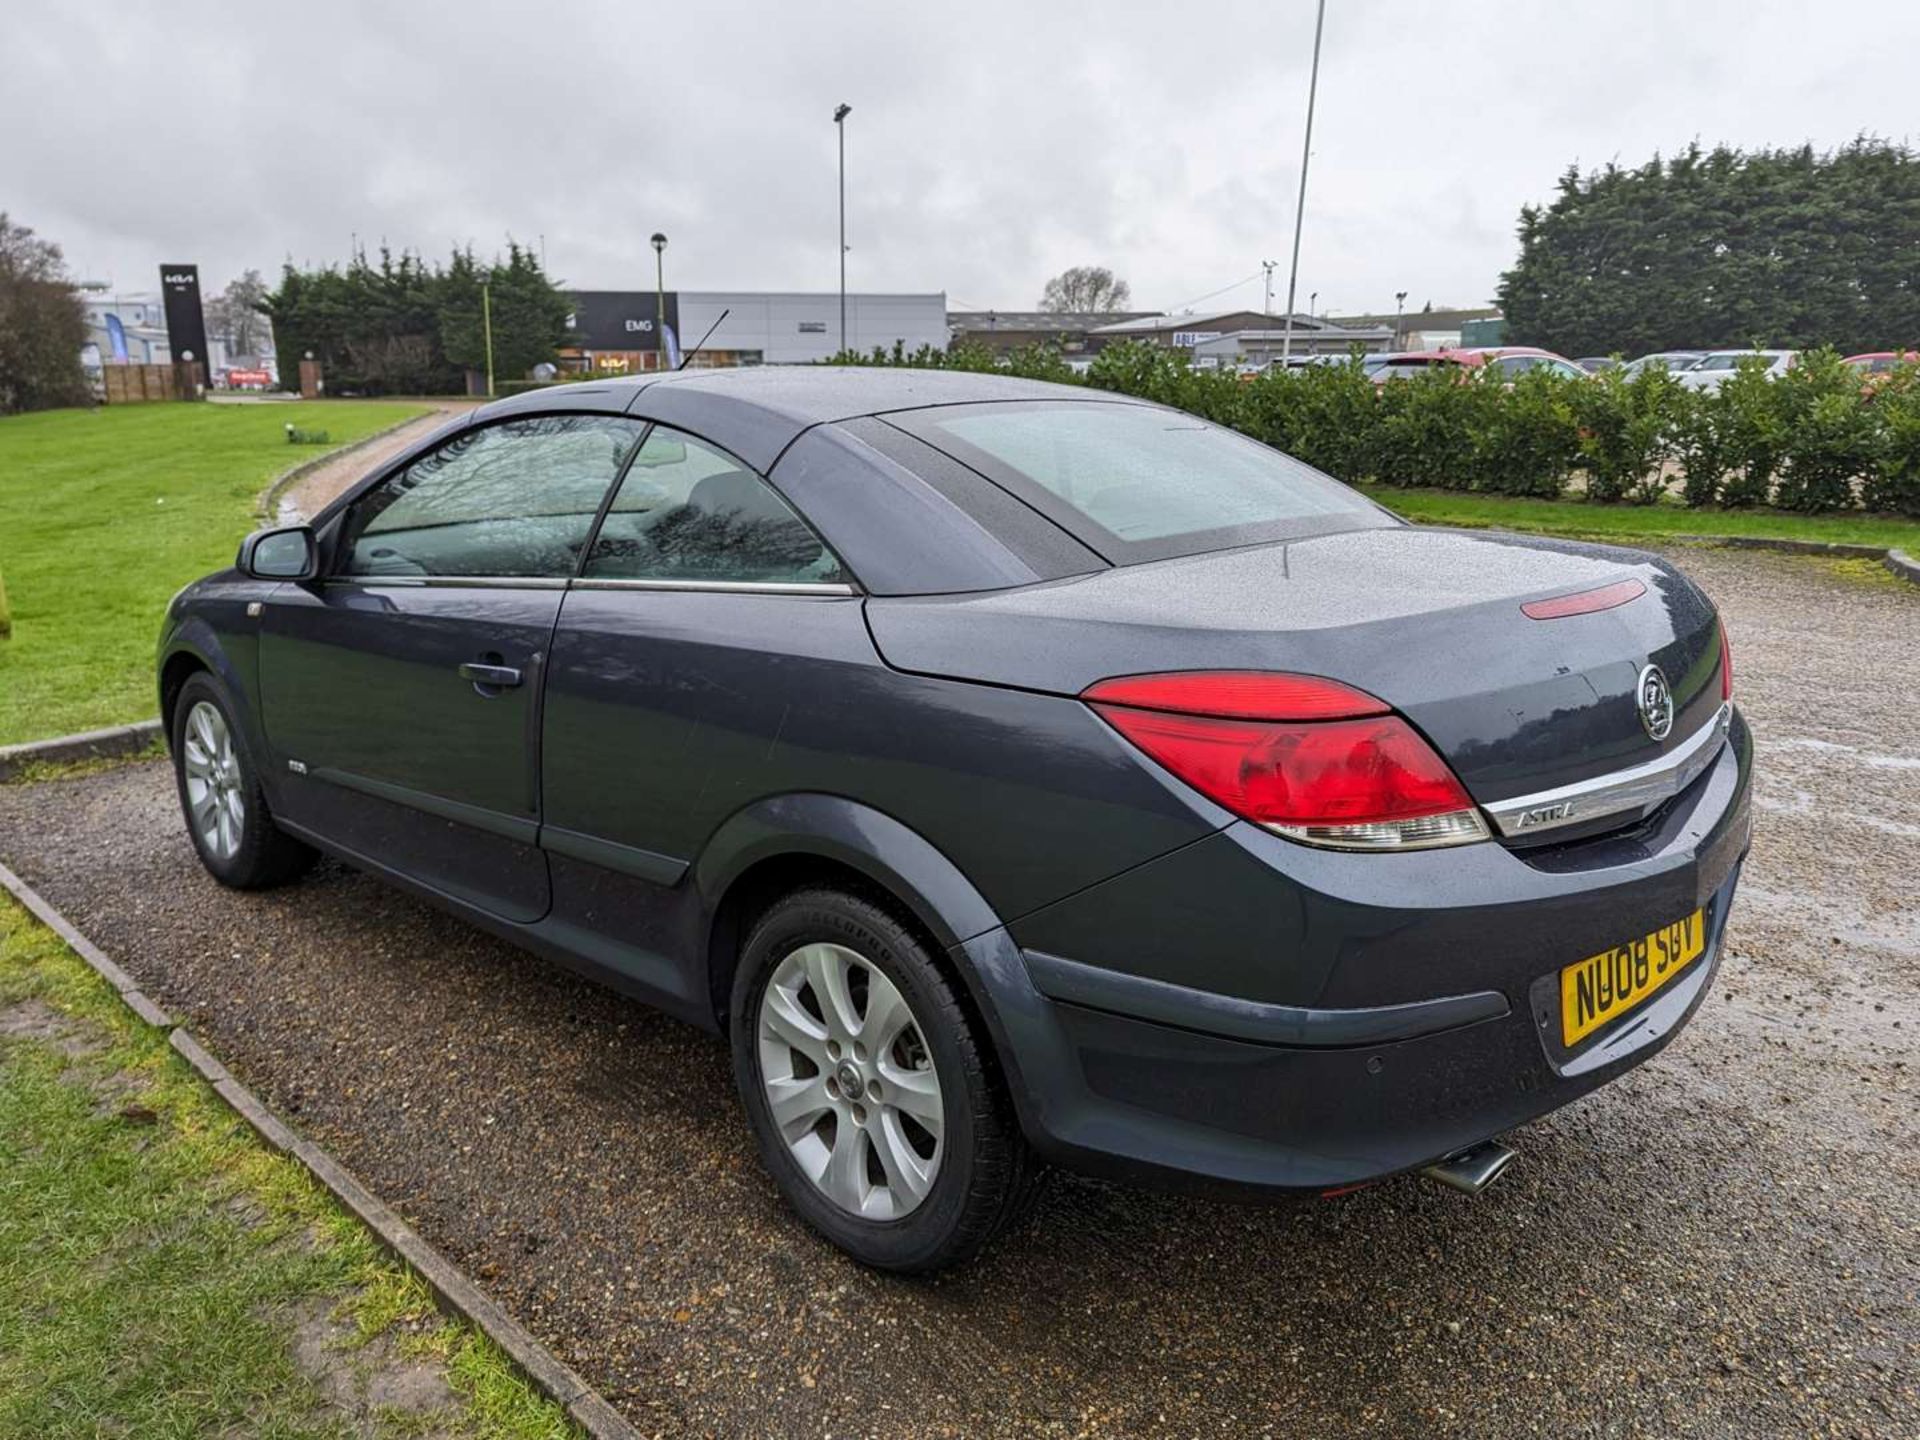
x=1017 y=774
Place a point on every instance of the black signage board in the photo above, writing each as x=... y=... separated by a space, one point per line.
x=186 y=322
x=621 y=319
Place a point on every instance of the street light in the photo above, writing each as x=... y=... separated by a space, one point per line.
x=840 y=124
x=1306 y=153
x=1267 y=265
x=660 y=296
x=1399 y=304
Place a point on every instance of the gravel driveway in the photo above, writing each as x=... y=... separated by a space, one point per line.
x=1725 y=1243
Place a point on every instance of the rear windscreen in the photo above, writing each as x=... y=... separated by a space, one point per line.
x=1134 y=482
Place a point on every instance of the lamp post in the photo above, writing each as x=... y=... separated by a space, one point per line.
x=1268 y=265
x=1313 y=303
x=840 y=124
x=486 y=324
x=1399 y=304
x=660 y=296
x=1306 y=153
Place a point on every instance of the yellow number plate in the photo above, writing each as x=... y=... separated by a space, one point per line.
x=1611 y=983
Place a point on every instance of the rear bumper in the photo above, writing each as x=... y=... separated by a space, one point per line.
x=1431 y=1026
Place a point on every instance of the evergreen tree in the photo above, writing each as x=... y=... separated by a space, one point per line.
x=1724 y=248
x=403 y=326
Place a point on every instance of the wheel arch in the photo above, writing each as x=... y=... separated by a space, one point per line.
x=196 y=647
x=780 y=844
x=176 y=669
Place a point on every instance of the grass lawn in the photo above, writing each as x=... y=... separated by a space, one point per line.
x=164 y=1273
x=1627 y=523
x=104 y=514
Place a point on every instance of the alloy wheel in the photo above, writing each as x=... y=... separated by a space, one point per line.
x=215 y=791
x=850 y=1082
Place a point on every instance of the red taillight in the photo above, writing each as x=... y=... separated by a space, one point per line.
x=1312 y=759
x=1726 y=664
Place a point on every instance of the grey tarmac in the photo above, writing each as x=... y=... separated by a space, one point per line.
x=1727 y=1242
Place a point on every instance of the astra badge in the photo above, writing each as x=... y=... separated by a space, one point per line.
x=1656 y=703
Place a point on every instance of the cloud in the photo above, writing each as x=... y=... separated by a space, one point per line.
x=991 y=144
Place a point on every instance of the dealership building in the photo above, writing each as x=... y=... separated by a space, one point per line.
x=620 y=329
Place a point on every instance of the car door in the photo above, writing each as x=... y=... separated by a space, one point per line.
x=705 y=611
x=401 y=692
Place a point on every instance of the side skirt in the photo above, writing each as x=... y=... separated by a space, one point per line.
x=652 y=978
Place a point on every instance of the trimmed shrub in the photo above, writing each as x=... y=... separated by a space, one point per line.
x=1326 y=415
x=1753 y=434
x=1830 y=434
x=1629 y=428
x=1893 y=482
x=1426 y=430
x=1700 y=441
x=1806 y=442
x=1526 y=433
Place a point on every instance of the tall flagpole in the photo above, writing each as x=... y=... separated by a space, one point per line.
x=1300 y=213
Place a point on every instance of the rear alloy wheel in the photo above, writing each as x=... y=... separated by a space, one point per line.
x=221 y=798
x=848 y=1081
x=877 y=1108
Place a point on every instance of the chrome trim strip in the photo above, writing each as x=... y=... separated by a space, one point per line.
x=469 y=582
x=741 y=587
x=519 y=582
x=1649 y=783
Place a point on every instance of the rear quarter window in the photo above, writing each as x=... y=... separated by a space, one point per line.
x=1134 y=482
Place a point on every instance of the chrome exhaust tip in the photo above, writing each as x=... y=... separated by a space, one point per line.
x=1473 y=1169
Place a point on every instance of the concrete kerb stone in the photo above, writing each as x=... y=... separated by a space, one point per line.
x=114 y=740
x=454 y=1292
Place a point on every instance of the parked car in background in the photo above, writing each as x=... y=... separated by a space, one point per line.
x=1513 y=361
x=1666 y=360
x=1716 y=366
x=1013 y=772
x=1510 y=361
x=1594 y=364
x=1882 y=362
x=1397 y=364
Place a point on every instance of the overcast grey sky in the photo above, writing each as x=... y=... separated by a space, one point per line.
x=991 y=144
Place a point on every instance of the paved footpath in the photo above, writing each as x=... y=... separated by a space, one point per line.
x=313 y=491
x=1726 y=1243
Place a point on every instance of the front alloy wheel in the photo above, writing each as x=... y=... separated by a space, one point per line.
x=220 y=795
x=210 y=773
x=849 y=1081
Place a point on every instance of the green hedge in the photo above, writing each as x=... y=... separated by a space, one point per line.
x=1817 y=440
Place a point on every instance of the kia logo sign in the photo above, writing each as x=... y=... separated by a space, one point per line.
x=178 y=279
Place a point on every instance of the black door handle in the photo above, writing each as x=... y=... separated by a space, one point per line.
x=497 y=677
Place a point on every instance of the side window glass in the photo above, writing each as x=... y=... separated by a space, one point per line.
x=513 y=499
x=690 y=511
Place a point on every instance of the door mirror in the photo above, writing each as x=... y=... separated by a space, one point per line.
x=286 y=553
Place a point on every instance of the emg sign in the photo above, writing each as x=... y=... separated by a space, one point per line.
x=620 y=319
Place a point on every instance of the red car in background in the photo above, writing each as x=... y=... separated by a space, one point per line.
x=1511 y=361
x=1878 y=362
x=1876 y=367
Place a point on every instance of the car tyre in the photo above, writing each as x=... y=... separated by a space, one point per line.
x=220 y=796
x=903 y=1205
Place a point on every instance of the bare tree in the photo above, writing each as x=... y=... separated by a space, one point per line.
x=235 y=314
x=1086 y=290
x=42 y=325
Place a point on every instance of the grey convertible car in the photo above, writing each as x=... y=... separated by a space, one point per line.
x=1016 y=774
